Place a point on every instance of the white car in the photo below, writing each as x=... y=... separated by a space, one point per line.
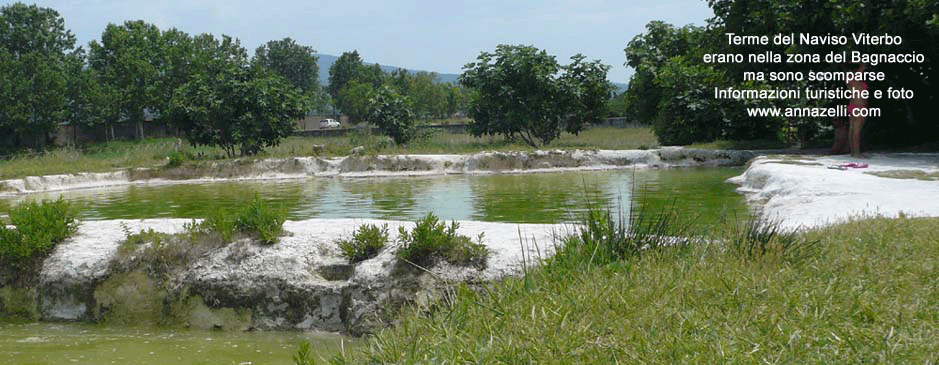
x=329 y=123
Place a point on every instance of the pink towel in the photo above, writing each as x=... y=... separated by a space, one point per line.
x=856 y=165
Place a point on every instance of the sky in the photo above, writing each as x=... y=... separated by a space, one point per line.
x=439 y=36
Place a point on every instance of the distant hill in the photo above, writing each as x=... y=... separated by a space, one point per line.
x=326 y=61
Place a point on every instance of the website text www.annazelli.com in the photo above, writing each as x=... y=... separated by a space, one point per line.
x=838 y=111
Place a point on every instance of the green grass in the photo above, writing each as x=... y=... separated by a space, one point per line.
x=117 y=155
x=867 y=293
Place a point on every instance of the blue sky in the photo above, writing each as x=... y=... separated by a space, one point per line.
x=439 y=36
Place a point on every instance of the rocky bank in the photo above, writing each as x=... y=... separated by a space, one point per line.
x=300 y=283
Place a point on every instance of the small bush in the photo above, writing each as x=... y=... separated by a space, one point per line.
x=157 y=252
x=431 y=240
x=261 y=220
x=365 y=243
x=38 y=228
x=175 y=160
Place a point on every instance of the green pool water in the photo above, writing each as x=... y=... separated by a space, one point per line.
x=518 y=198
x=71 y=343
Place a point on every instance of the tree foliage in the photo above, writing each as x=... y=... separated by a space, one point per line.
x=35 y=54
x=522 y=92
x=673 y=89
x=233 y=105
x=295 y=62
x=130 y=58
x=682 y=113
x=350 y=83
x=342 y=71
x=353 y=99
x=391 y=113
x=916 y=22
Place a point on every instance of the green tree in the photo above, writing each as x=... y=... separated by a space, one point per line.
x=130 y=59
x=428 y=95
x=456 y=99
x=522 y=92
x=345 y=69
x=233 y=105
x=353 y=99
x=178 y=66
x=295 y=62
x=904 y=121
x=349 y=79
x=391 y=113
x=672 y=89
x=90 y=102
x=35 y=53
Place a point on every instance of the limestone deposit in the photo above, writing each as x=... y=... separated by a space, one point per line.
x=803 y=192
x=387 y=165
x=300 y=283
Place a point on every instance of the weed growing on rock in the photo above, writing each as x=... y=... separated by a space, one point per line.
x=261 y=220
x=365 y=243
x=257 y=220
x=219 y=222
x=160 y=253
x=431 y=240
x=156 y=252
x=38 y=227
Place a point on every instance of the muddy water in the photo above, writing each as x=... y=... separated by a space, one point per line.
x=53 y=343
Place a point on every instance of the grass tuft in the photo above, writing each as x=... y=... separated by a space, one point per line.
x=760 y=238
x=604 y=239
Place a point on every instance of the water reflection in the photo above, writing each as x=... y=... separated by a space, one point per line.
x=544 y=197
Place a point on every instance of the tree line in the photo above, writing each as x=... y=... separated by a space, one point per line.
x=210 y=89
x=206 y=86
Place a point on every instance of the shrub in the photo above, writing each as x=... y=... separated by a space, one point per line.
x=391 y=113
x=38 y=228
x=431 y=240
x=257 y=220
x=220 y=223
x=175 y=160
x=261 y=220
x=365 y=243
